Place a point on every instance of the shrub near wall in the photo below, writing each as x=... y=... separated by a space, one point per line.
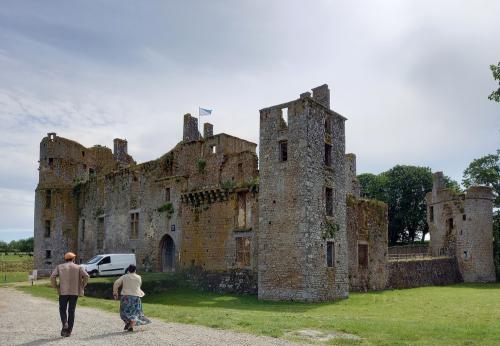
x=103 y=288
x=426 y=272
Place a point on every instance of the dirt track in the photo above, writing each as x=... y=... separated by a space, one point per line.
x=26 y=320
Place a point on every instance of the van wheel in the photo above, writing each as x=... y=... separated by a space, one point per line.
x=94 y=273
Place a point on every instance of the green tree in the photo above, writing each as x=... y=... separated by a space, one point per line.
x=452 y=184
x=403 y=188
x=485 y=171
x=495 y=70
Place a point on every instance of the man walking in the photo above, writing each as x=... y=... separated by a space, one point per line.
x=72 y=279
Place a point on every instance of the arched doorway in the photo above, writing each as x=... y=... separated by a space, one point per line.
x=167 y=254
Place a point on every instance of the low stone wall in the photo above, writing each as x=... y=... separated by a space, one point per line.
x=238 y=281
x=425 y=272
x=409 y=249
x=104 y=290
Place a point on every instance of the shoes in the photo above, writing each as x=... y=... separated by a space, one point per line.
x=127 y=325
x=130 y=328
x=65 y=330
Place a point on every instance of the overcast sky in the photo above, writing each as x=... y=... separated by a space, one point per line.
x=412 y=78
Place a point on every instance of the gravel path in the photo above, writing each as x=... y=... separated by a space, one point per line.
x=27 y=320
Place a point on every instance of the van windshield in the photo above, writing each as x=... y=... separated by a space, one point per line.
x=95 y=259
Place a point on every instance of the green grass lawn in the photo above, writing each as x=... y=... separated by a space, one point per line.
x=466 y=314
x=10 y=277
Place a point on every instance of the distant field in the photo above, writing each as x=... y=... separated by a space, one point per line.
x=465 y=314
x=15 y=262
x=10 y=277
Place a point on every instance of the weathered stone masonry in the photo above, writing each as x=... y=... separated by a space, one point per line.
x=295 y=230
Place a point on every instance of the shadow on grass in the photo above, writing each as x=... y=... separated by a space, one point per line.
x=192 y=298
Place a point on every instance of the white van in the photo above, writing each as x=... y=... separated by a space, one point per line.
x=109 y=264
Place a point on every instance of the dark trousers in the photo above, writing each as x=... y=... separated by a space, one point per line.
x=67 y=302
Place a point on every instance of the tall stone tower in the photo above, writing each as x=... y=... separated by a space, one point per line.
x=461 y=225
x=302 y=201
x=62 y=164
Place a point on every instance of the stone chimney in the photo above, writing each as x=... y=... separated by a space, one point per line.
x=208 y=130
x=321 y=94
x=120 y=150
x=190 y=131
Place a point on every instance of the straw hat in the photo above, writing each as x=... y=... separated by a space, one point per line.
x=68 y=256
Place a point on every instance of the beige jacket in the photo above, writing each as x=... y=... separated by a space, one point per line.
x=130 y=284
x=72 y=279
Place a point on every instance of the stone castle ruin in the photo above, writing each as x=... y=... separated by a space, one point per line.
x=290 y=227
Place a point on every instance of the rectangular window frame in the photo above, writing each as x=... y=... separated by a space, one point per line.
x=48 y=228
x=134 y=225
x=330 y=254
x=363 y=260
x=328 y=155
x=283 y=151
x=243 y=251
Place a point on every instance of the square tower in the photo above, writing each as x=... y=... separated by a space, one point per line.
x=302 y=201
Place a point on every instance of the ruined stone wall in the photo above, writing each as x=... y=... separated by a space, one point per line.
x=63 y=164
x=367 y=225
x=425 y=272
x=461 y=226
x=199 y=218
x=190 y=130
x=353 y=187
x=292 y=237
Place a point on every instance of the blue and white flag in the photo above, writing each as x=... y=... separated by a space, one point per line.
x=204 y=111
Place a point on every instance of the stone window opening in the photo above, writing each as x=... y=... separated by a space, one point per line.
x=83 y=153
x=240 y=171
x=449 y=224
x=213 y=149
x=329 y=201
x=330 y=254
x=134 y=225
x=100 y=233
x=48 y=254
x=431 y=213
x=47 y=228
x=91 y=171
x=242 y=207
x=328 y=154
x=243 y=245
x=464 y=217
x=51 y=162
x=167 y=194
x=283 y=145
x=52 y=136
x=328 y=126
x=48 y=199
x=363 y=255
x=466 y=255
x=284 y=116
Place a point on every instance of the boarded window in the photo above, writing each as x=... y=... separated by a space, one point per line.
x=363 y=255
x=48 y=254
x=100 y=233
x=328 y=154
x=242 y=207
x=329 y=201
x=47 y=228
x=134 y=225
x=167 y=194
x=330 y=254
x=48 y=199
x=283 y=150
x=431 y=214
x=243 y=251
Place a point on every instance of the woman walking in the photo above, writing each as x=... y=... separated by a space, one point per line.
x=130 y=301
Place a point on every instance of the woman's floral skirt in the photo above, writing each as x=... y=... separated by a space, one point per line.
x=131 y=310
